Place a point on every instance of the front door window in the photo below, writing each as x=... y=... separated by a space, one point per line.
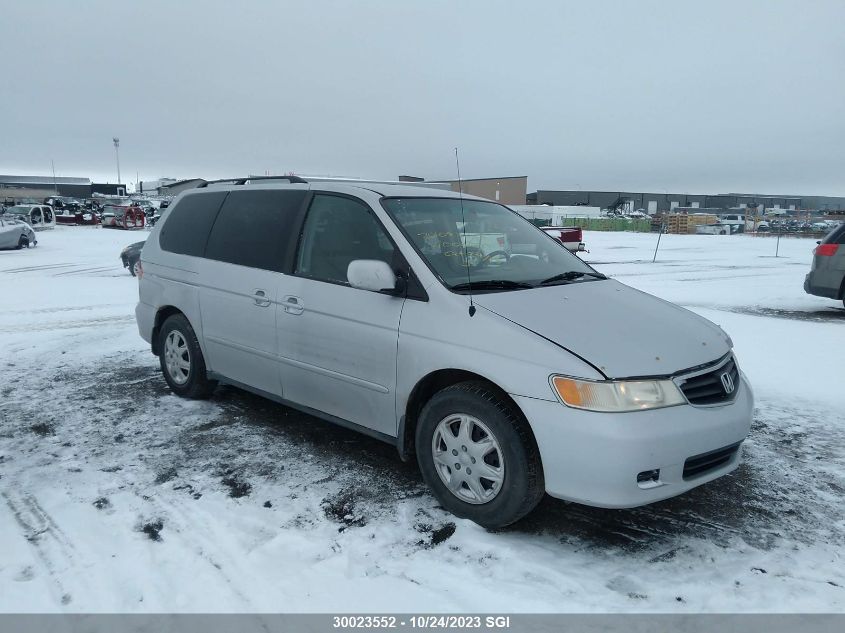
x=338 y=231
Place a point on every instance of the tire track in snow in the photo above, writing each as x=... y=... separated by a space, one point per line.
x=28 y=269
x=202 y=546
x=829 y=315
x=84 y=271
x=68 y=325
x=185 y=530
x=61 y=309
x=50 y=544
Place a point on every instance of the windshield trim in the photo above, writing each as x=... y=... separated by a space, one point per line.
x=428 y=264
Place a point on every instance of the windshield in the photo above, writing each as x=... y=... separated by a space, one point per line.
x=486 y=244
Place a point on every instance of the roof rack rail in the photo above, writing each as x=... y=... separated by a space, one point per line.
x=243 y=181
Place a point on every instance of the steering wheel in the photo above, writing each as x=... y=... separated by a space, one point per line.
x=491 y=255
x=476 y=259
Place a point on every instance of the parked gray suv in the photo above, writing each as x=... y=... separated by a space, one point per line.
x=827 y=272
x=450 y=327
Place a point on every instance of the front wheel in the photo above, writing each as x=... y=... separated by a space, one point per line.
x=182 y=361
x=23 y=242
x=477 y=454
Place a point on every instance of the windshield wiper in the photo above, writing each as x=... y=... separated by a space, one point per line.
x=492 y=284
x=571 y=276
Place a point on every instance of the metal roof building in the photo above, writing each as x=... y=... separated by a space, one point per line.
x=34 y=186
x=17 y=187
x=660 y=202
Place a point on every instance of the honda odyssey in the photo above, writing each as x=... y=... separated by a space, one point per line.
x=450 y=327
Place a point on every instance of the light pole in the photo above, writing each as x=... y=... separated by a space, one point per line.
x=117 y=156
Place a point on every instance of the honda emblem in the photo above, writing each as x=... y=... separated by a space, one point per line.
x=728 y=383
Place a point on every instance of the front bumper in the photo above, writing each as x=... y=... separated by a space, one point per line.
x=594 y=458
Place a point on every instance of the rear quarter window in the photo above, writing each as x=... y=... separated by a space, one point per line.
x=836 y=236
x=189 y=223
x=254 y=228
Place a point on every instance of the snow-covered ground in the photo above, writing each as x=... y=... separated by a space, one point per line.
x=117 y=496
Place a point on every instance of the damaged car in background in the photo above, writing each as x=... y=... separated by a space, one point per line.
x=16 y=234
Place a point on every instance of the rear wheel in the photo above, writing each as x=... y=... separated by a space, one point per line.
x=182 y=361
x=477 y=453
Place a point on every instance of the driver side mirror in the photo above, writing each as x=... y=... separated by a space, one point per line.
x=373 y=275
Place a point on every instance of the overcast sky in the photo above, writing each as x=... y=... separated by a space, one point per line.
x=697 y=97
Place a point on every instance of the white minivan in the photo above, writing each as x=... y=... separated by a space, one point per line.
x=503 y=370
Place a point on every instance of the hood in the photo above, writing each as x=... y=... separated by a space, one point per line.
x=621 y=331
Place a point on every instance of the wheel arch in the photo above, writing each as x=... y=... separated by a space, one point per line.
x=429 y=385
x=162 y=315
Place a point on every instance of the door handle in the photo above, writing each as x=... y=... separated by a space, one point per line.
x=293 y=305
x=261 y=299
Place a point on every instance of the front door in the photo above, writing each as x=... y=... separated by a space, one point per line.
x=337 y=344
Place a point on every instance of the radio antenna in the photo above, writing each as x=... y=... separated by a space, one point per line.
x=464 y=230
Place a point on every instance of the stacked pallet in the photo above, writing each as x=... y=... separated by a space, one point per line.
x=686 y=222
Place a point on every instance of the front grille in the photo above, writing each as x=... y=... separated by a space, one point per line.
x=702 y=464
x=710 y=387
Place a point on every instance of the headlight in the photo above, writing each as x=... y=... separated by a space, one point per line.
x=617 y=396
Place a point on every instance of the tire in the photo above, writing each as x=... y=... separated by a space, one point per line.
x=182 y=361
x=132 y=265
x=23 y=242
x=510 y=453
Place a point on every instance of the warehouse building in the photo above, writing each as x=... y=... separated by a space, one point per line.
x=505 y=189
x=663 y=202
x=39 y=187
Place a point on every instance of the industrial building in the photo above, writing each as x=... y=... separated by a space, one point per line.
x=505 y=189
x=662 y=202
x=15 y=188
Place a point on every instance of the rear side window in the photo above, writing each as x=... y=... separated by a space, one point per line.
x=253 y=228
x=189 y=222
x=836 y=236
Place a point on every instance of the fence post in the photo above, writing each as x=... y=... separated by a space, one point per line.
x=659 y=235
x=777 y=245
